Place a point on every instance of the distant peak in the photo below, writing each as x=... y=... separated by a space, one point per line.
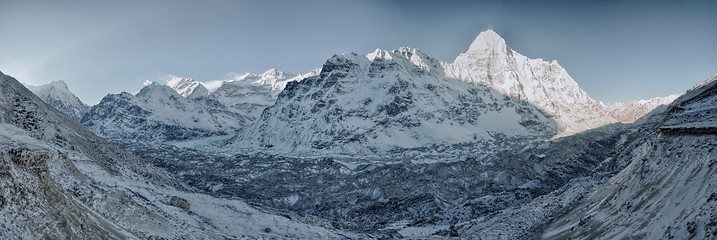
x=487 y=40
x=57 y=86
x=379 y=54
x=155 y=88
x=411 y=53
x=175 y=81
x=275 y=73
x=58 y=83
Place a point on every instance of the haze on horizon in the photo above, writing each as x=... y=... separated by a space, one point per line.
x=616 y=51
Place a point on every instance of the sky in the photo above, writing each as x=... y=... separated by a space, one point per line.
x=615 y=50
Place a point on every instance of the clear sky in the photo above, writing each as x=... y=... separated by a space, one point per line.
x=615 y=50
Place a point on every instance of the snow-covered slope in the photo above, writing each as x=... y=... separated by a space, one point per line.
x=631 y=111
x=58 y=95
x=158 y=113
x=185 y=108
x=250 y=94
x=405 y=99
x=667 y=189
x=544 y=84
x=59 y=181
x=188 y=87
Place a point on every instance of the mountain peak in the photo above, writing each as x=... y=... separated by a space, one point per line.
x=487 y=40
x=273 y=73
x=380 y=54
x=55 y=88
x=187 y=87
x=58 y=83
x=155 y=89
x=58 y=95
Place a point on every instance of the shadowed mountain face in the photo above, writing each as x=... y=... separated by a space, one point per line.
x=666 y=189
x=654 y=184
x=159 y=113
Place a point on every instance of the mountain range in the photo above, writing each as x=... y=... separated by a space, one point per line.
x=394 y=143
x=422 y=102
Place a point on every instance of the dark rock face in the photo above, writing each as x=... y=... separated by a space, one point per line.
x=73 y=111
x=179 y=202
x=32 y=160
x=24 y=115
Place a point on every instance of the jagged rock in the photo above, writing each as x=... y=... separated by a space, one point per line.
x=180 y=203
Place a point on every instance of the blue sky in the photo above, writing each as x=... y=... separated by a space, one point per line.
x=615 y=50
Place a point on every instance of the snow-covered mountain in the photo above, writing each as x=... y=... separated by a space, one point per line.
x=58 y=95
x=631 y=111
x=251 y=93
x=405 y=99
x=59 y=181
x=185 y=108
x=159 y=113
x=188 y=87
x=544 y=84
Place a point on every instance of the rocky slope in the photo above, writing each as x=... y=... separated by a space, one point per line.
x=59 y=96
x=59 y=181
x=654 y=184
x=390 y=100
x=666 y=191
x=398 y=193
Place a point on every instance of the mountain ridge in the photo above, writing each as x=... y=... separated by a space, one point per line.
x=422 y=95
